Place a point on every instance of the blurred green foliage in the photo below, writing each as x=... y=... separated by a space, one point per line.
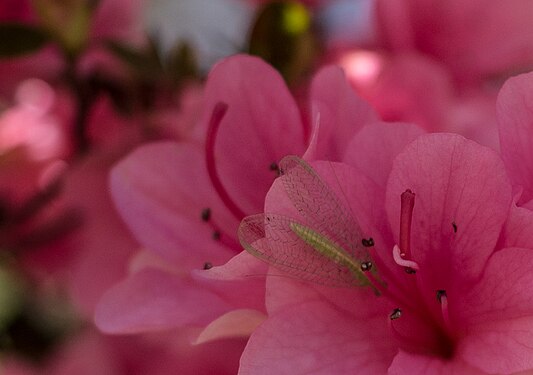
x=19 y=39
x=283 y=36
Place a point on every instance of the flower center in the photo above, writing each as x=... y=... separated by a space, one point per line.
x=418 y=326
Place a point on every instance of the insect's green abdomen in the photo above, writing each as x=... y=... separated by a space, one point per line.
x=330 y=250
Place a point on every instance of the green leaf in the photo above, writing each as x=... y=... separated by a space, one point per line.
x=19 y=39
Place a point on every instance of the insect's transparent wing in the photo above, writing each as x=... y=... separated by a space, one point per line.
x=315 y=200
x=269 y=237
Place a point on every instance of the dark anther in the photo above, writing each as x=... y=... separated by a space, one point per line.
x=206 y=214
x=208 y=265
x=454 y=227
x=396 y=313
x=367 y=243
x=366 y=266
x=216 y=235
x=275 y=168
x=440 y=293
x=410 y=270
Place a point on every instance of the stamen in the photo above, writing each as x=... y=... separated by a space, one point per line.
x=216 y=235
x=366 y=266
x=398 y=258
x=454 y=225
x=443 y=300
x=406 y=215
x=208 y=265
x=396 y=314
x=219 y=111
x=367 y=242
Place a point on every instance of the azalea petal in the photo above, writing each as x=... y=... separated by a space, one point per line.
x=338 y=113
x=313 y=338
x=462 y=199
x=282 y=292
x=262 y=124
x=160 y=191
x=241 y=281
x=240 y=267
x=518 y=229
x=500 y=347
x=373 y=149
x=153 y=300
x=413 y=364
x=503 y=293
x=248 y=292
x=515 y=117
x=236 y=323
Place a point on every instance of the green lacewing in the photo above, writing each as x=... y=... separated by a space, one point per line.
x=327 y=249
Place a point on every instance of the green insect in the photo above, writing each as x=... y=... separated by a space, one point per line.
x=329 y=249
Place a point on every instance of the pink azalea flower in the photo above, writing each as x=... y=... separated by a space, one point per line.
x=179 y=199
x=464 y=303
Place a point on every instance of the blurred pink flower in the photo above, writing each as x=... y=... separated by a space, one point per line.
x=30 y=124
x=32 y=146
x=414 y=88
x=462 y=35
x=465 y=308
x=433 y=64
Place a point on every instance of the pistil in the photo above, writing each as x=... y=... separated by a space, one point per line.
x=402 y=253
x=219 y=111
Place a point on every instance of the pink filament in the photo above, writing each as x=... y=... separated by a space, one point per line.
x=445 y=312
x=219 y=111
